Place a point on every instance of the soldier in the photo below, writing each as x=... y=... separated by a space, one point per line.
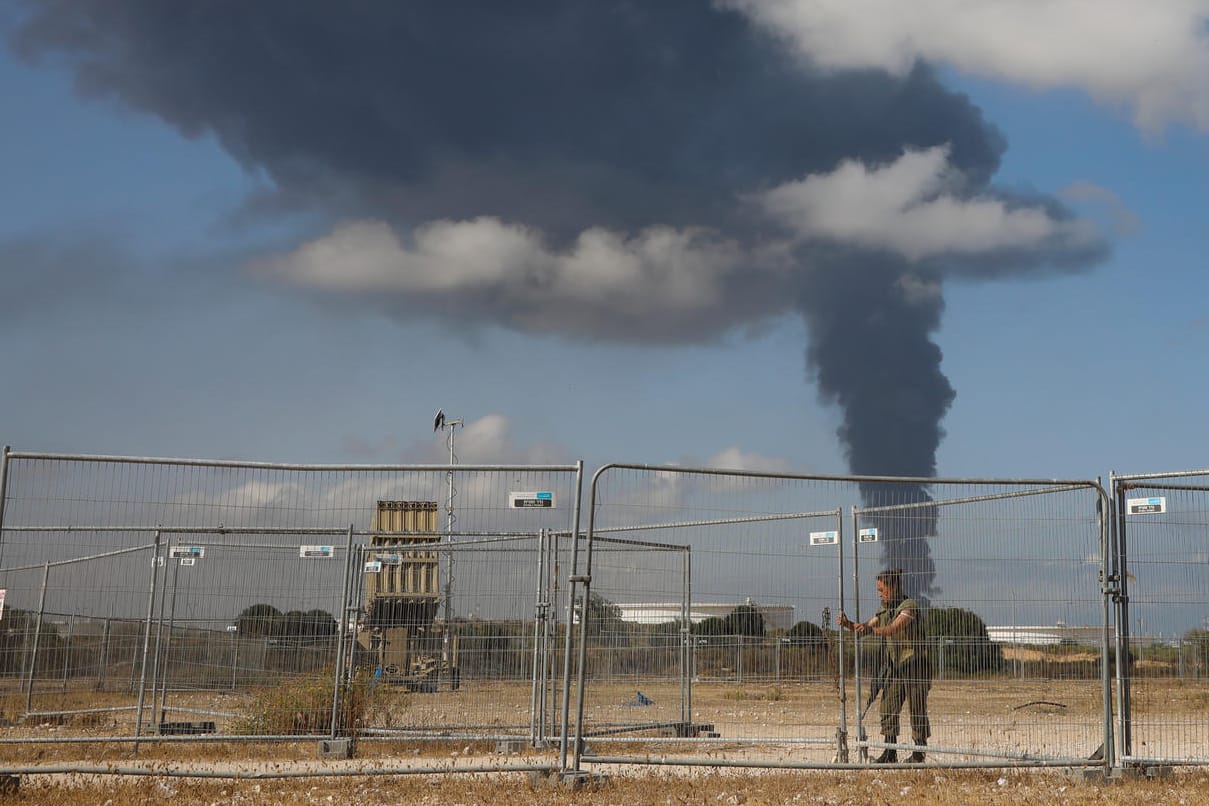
x=909 y=673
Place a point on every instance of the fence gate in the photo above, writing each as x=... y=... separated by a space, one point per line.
x=1008 y=580
x=736 y=648
x=245 y=634
x=495 y=671
x=1163 y=604
x=70 y=669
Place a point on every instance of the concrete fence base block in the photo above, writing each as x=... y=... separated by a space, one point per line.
x=335 y=748
x=509 y=746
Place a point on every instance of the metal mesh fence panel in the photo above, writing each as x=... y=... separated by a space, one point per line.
x=503 y=656
x=1004 y=656
x=64 y=664
x=759 y=599
x=1007 y=575
x=186 y=596
x=636 y=666
x=1163 y=683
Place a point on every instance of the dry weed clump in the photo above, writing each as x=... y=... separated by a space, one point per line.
x=304 y=705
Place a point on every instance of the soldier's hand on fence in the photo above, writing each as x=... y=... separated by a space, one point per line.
x=849 y=624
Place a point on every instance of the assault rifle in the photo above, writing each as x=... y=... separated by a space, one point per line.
x=877 y=684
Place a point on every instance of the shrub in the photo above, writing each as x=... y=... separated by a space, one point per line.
x=303 y=705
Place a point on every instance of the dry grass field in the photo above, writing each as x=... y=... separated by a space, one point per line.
x=782 y=723
x=707 y=787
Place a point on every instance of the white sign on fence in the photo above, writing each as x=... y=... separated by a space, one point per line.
x=868 y=535
x=187 y=552
x=1147 y=506
x=824 y=538
x=373 y=567
x=314 y=552
x=3 y=593
x=188 y=561
x=541 y=500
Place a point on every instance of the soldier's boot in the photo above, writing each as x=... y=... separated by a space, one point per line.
x=889 y=755
x=918 y=756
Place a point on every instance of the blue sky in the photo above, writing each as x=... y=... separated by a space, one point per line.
x=183 y=348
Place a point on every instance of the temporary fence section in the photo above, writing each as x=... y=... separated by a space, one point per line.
x=145 y=598
x=1007 y=575
x=698 y=617
x=1163 y=601
x=1005 y=658
x=496 y=672
x=756 y=615
x=636 y=660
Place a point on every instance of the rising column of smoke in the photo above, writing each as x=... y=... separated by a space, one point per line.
x=871 y=352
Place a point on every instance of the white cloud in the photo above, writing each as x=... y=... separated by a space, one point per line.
x=660 y=269
x=675 y=284
x=1152 y=57
x=909 y=207
x=489 y=441
x=735 y=458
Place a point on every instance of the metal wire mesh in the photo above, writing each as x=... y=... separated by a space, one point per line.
x=1164 y=645
x=175 y=596
x=1006 y=584
x=1007 y=575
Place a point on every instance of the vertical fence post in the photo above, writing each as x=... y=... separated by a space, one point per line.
x=337 y=675
x=155 y=558
x=159 y=633
x=105 y=636
x=841 y=677
x=739 y=659
x=538 y=618
x=33 y=656
x=549 y=631
x=687 y=649
x=1106 y=519
x=71 y=629
x=3 y=495
x=565 y=716
x=584 y=580
x=857 y=654
x=167 y=653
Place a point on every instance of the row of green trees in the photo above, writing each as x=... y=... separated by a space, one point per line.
x=962 y=632
x=967 y=644
x=294 y=626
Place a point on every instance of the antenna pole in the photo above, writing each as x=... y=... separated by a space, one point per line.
x=450 y=518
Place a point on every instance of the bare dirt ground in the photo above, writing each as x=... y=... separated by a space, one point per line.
x=710 y=787
x=757 y=722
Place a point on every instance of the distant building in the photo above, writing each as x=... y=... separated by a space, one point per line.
x=1055 y=635
x=776 y=617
